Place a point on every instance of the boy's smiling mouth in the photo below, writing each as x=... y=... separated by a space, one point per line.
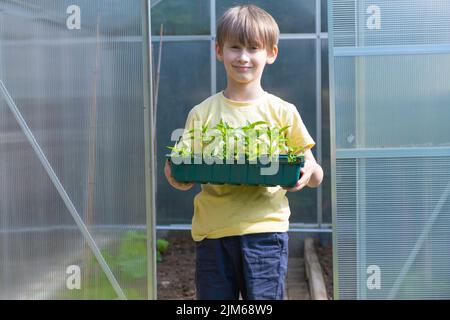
x=242 y=68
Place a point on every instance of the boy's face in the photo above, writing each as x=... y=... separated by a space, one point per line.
x=243 y=64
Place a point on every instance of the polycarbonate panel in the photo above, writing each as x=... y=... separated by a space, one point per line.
x=401 y=226
x=345 y=230
x=183 y=84
x=403 y=102
x=181 y=17
x=403 y=22
x=80 y=92
x=323 y=16
x=344 y=22
x=392 y=143
x=293 y=16
x=387 y=22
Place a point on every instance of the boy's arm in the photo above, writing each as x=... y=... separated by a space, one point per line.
x=311 y=173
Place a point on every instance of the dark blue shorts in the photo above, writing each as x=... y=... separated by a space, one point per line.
x=253 y=265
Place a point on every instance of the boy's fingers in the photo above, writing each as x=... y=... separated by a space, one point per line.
x=294 y=188
x=167 y=168
x=184 y=186
x=305 y=176
x=300 y=183
x=173 y=182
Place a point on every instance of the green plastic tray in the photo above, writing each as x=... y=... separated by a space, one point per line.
x=237 y=173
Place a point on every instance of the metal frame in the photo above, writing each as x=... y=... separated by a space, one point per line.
x=390 y=50
x=212 y=26
x=150 y=152
x=333 y=149
x=294 y=227
x=319 y=106
x=393 y=152
x=360 y=80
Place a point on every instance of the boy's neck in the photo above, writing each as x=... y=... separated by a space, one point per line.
x=243 y=93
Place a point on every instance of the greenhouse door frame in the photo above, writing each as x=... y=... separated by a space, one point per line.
x=150 y=150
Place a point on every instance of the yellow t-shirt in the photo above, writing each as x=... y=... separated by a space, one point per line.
x=229 y=210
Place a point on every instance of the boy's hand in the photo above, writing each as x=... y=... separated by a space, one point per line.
x=311 y=174
x=306 y=173
x=177 y=185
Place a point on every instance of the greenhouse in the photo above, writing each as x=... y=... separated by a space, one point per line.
x=91 y=93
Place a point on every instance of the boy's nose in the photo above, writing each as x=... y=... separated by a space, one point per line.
x=243 y=57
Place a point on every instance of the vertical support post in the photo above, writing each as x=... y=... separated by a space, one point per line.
x=319 y=108
x=333 y=150
x=360 y=96
x=213 y=46
x=150 y=152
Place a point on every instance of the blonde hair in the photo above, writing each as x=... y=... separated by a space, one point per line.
x=248 y=25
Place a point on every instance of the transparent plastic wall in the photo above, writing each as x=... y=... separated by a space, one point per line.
x=390 y=105
x=72 y=179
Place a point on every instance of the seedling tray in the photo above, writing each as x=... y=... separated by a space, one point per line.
x=237 y=173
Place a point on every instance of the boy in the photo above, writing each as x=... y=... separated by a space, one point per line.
x=241 y=231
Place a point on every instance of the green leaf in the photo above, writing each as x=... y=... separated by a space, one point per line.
x=162 y=245
x=158 y=257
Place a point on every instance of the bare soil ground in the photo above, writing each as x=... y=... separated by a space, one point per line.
x=176 y=270
x=325 y=254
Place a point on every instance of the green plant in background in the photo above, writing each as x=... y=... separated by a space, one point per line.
x=132 y=256
x=128 y=262
x=162 y=245
x=222 y=141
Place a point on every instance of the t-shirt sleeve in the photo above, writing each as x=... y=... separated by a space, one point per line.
x=297 y=133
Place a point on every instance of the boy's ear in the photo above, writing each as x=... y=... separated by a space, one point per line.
x=272 y=54
x=219 y=52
